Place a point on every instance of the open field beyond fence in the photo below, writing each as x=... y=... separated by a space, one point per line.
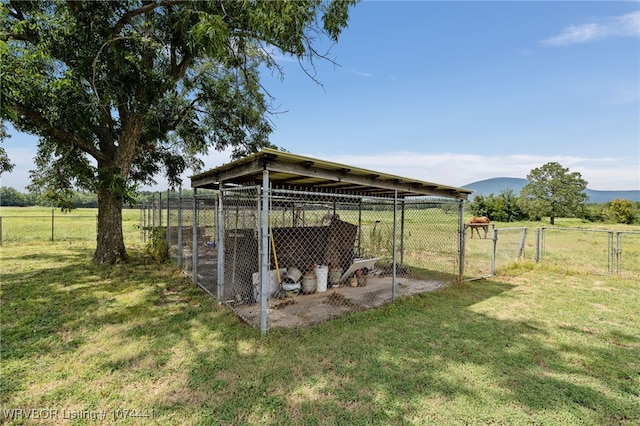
x=32 y=224
x=141 y=344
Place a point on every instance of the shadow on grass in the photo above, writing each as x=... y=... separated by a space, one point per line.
x=384 y=366
x=429 y=357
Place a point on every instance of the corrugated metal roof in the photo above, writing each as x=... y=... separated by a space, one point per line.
x=286 y=169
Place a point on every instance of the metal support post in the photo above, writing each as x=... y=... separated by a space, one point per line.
x=221 y=242
x=494 y=252
x=180 y=226
x=264 y=254
x=461 y=240
x=395 y=265
x=169 y=221
x=194 y=238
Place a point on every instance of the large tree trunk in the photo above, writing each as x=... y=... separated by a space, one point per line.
x=112 y=187
x=552 y=221
x=110 y=248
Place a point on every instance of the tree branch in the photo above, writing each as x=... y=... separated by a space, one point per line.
x=75 y=6
x=15 y=11
x=126 y=18
x=28 y=36
x=60 y=135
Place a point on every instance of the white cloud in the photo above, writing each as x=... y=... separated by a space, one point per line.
x=604 y=173
x=461 y=169
x=616 y=26
x=360 y=73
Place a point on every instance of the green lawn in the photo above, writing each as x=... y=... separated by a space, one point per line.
x=532 y=346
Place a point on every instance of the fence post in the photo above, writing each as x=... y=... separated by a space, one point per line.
x=52 y=225
x=611 y=252
x=264 y=254
x=461 y=240
x=220 y=232
x=153 y=211
x=494 y=251
x=160 y=209
x=394 y=245
x=169 y=221
x=618 y=251
x=522 y=243
x=180 y=225
x=402 y=233
x=194 y=238
x=145 y=206
x=141 y=220
x=359 y=227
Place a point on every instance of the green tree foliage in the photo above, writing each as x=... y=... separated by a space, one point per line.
x=120 y=91
x=554 y=192
x=5 y=163
x=501 y=208
x=623 y=211
x=12 y=197
x=596 y=212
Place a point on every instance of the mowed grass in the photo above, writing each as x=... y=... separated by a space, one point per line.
x=533 y=346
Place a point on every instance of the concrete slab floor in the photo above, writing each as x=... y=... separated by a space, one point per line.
x=305 y=310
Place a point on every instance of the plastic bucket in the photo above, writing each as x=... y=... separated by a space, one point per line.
x=293 y=275
x=322 y=275
x=334 y=276
x=309 y=283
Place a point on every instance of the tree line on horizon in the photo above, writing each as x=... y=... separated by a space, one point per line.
x=506 y=207
x=11 y=197
x=553 y=191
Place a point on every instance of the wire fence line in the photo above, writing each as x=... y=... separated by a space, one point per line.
x=57 y=226
x=597 y=251
x=605 y=252
x=593 y=251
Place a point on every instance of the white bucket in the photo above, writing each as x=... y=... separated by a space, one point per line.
x=322 y=274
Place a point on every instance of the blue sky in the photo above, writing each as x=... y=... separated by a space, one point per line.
x=455 y=92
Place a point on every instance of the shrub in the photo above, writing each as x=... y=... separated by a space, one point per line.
x=157 y=245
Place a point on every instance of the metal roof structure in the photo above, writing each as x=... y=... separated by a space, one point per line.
x=286 y=169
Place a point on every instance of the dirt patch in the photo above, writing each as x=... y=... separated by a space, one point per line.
x=308 y=309
x=283 y=304
x=339 y=300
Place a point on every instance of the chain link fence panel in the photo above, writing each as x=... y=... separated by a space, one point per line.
x=587 y=250
x=627 y=254
x=512 y=246
x=479 y=256
x=332 y=254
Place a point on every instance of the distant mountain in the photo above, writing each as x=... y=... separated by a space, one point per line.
x=496 y=185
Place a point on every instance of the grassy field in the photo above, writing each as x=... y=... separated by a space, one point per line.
x=572 y=244
x=32 y=224
x=535 y=345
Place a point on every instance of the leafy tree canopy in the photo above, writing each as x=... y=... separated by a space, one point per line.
x=120 y=91
x=554 y=192
x=623 y=211
x=5 y=163
x=501 y=208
